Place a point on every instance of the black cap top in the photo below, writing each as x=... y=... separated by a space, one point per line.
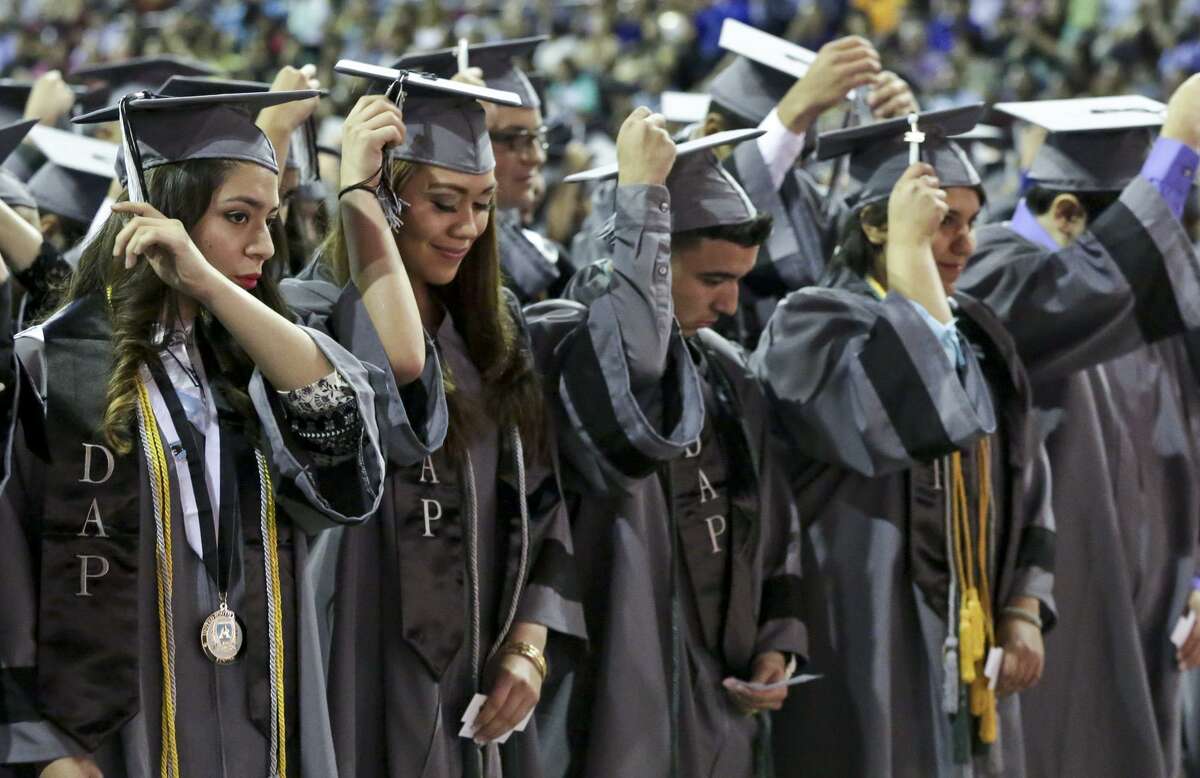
x=880 y=152
x=138 y=74
x=166 y=130
x=12 y=191
x=14 y=95
x=75 y=178
x=1096 y=144
x=11 y=136
x=302 y=154
x=496 y=60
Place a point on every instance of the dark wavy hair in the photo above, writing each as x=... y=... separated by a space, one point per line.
x=854 y=250
x=137 y=298
x=478 y=303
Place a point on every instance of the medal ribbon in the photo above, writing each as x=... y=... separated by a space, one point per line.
x=217 y=541
x=161 y=493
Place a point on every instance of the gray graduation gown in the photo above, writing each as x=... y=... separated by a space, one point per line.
x=598 y=366
x=1098 y=323
x=216 y=734
x=864 y=391
x=668 y=616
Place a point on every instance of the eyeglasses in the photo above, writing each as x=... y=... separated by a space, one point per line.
x=522 y=140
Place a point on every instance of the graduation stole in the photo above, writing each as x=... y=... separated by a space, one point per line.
x=434 y=536
x=88 y=632
x=716 y=498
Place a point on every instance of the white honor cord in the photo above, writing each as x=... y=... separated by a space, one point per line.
x=914 y=138
x=950 y=669
x=133 y=184
x=461 y=53
x=514 y=436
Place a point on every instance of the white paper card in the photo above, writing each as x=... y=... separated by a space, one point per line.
x=1183 y=628
x=472 y=713
x=991 y=668
x=795 y=680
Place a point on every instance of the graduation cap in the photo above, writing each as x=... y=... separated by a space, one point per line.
x=14 y=95
x=12 y=190
x=1095 y=144
x=703 y=193
x=496 y=60
x=76 y=176
x=137 y=75
x=881 y=152
x=164 y=130
x=445 y=125
x=302 y=151
x=766 y=68
x=684 y=107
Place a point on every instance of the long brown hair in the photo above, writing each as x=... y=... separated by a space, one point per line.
x=137 y=297
x=476 y=300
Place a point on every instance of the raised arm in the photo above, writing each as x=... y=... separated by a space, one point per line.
x=282 y=351
x=625 y=380
x=868 y=384
x=376 y=266
x=1132 y=278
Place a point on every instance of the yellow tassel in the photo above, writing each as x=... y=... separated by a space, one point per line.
x=966 y=663
x=989 y=722
x=978 y=626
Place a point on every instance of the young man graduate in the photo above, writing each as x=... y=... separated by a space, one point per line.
x=919 y=479
x=687 y=608
x=1096 y=280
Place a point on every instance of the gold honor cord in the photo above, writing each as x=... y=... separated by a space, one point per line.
x=876 y=287
x=976 y=631
x=160 y=484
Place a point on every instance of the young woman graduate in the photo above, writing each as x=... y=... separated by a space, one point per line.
x=479 y=529
x=926 y=501
x=177 y=439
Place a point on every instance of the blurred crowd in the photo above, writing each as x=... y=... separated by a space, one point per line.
x=607 y=56
x=608 y=52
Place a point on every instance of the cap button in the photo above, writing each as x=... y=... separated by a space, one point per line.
x=664 y=207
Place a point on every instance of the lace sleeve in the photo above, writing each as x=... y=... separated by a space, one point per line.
x=324 y=416
x=44 y=280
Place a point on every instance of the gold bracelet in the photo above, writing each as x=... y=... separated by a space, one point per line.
x=530 y=652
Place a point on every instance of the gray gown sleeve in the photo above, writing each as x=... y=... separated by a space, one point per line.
x=1131 y=279
x=317 y=497
x=1034 y=571
x=865 y=384
x=622 y=374
x=551 y=596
